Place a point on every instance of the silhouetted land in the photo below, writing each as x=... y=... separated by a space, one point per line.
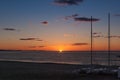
x=13 y=70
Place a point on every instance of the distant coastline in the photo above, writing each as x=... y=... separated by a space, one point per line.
x=63 y=51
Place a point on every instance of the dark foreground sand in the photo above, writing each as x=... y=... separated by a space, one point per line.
x=13 y=70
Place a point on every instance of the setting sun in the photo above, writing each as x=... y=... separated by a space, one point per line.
x=60 y=50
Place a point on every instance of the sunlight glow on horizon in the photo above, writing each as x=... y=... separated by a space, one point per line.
x=60 y=50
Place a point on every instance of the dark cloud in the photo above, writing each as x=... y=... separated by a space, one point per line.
x=97 y=34
x=28 y=38
x=85 y=19
x=68 y=2
x=117 y=15
x=75 y=15
x=118 y=36
x=71 y=17
x=44 y=22
x=77 y=18
x=113 y=36
x=79 y=44
x=9 y=29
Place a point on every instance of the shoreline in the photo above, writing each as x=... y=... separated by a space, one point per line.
x=11 y=70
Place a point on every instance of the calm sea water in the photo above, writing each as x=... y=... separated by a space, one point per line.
x=63 y=57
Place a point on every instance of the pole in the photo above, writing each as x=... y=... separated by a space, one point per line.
x=91 y=44
x=109 y=56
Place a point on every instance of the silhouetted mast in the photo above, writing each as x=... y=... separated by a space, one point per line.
x=91 y=43
x=109 y=40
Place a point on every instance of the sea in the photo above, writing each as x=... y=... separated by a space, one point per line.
x=65 y=57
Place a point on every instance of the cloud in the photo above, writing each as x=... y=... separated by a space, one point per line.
x=79 y=44
x=44 y=22
x=9 y=29
x=30 y=39
x=113 y=36
x=71 y=17
x=85 y=19
x=117 y=15
x=68 y=2
x=76 y=17
x=97 y=35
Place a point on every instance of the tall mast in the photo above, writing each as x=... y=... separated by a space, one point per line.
x=109 y=56
x=91 y=43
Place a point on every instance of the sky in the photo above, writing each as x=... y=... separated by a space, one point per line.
x=58 y=24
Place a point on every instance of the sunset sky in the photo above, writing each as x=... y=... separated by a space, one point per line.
x=58 y=24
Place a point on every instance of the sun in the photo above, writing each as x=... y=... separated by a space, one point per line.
x=60 y=50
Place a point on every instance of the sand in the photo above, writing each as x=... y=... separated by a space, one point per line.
x=14 y=70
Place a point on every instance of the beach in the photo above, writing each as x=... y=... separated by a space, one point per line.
x=14 y=70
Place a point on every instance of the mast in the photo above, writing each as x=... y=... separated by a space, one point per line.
x=91 y=44
x=109 y=56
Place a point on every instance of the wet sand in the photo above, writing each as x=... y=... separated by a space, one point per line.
x=14 y=70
